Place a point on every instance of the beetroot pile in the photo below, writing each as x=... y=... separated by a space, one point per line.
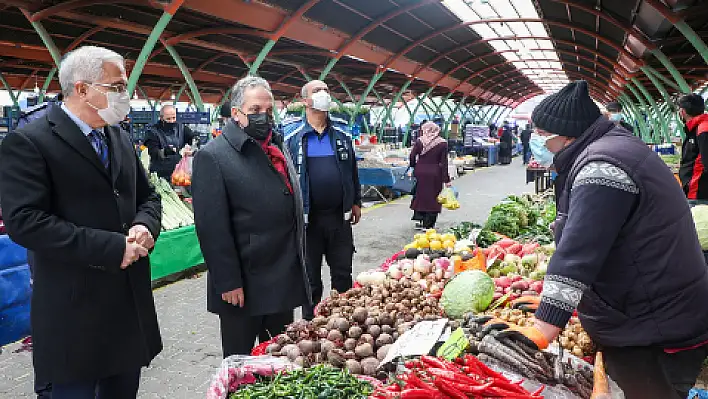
x=355 y=329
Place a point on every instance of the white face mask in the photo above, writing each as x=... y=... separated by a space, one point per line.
x=116 y=110
x=321 y=101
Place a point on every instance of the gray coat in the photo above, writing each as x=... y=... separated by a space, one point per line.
x=250 y=226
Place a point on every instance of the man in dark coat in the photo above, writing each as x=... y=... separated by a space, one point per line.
x=249 y=219
x=165 y=139
x=627 y=253
x=525 y=137
x=75 y=194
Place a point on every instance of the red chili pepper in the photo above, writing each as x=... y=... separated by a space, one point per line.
x=452 y=376
x=416 y=393
x=416 y=382
x=508 y=386
x=430 y=361
x=450 y=391
x=538 y=391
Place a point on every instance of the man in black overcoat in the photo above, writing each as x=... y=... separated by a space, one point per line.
x=75 y=194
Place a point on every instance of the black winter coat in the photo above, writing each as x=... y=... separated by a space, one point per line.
x=90 y=319
x=250 y=226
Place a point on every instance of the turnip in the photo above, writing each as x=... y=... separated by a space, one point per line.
x=382 y=352
x=360 y=314
x=336 y=357
x=355 y=332
x=350 y=344
x=374 y=330
x=384 y=339
x=335 y=336
x=291 y=351
x=306 y=347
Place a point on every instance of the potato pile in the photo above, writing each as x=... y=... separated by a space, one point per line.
x=572 y=338
x=355 y=329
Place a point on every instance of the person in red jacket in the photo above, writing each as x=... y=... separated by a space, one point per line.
x=693 y=177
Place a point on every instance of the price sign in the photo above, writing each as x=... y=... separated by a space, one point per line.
x=454 y=346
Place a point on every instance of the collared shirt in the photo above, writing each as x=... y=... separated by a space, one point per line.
x=85 y=128
x=326 y=189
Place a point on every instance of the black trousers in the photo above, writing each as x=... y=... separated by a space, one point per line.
x=240 y=330
x=328 y=236
x=121 y=386
x=426 y=219
x=650 y=373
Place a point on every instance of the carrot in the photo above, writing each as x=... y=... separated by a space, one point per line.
x=600 y=387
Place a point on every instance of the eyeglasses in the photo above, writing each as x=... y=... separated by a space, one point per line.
x=115 y=88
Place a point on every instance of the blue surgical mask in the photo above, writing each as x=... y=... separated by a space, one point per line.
x=615 y=117
x=540 y=152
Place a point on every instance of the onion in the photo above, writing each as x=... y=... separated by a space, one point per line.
x=406 y=267
x=449 y=273
x=422 y=264
x=378 y=278
x=416 y=276
x=423 y=284
x=438 y=273
x=395 y=272
x=363 y=278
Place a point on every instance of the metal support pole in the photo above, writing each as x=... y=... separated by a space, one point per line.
x=650 y=99
x=653 y=73
x=368 y=89
x=187 y=77
x=693 y=37
x=685 y=88
x=150 y=44
x=646 y=108
x=46 y=38
x=260 y=57
x=150 y=103
x=346 y=90
x=497 y=112
x=643 y=131
x=419 y=102
x=46 y=84
x=332 y=62
x=655 y=81
x=13 y=96
x=179 y=94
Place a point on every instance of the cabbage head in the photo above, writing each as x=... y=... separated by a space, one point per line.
x=469 y=291
x=700 y=219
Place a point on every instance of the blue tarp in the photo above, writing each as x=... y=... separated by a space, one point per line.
x=15 y=292
x=698 y=394
x=379 y=176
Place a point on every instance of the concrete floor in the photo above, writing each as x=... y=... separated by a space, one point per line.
x=191 y=335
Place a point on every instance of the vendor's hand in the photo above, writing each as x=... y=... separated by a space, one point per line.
x=133 y=251
x=142 y=236
x=234 y=297
x=356 y=215
x=526 y=303
x=531 y=336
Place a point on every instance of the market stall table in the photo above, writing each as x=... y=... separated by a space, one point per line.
x=175 y=251
x=373 y=178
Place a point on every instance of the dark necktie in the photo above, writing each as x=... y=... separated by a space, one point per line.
x=99 y=145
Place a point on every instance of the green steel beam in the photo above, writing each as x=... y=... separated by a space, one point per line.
x=663 y=124
x=46 y=39
x=365 y=94
x=150 y=103
x=147 y=50
x=657 y=84
x=683 y=85
x=187 y=77
x=261 y=56
x=643 y=104
x=47 y=82
x=643 y=131
x=653 y=73
x=346 y=90
x=328 y=68
x=693 y=37
x=497 y=112
x=418 y=104
x=179 y=94
x=394 y=101
x=13 y=96
x=448 y=123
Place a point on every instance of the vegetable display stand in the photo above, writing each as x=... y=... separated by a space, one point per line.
x=175 y=251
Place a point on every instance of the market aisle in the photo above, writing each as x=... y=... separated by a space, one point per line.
x=191 y=335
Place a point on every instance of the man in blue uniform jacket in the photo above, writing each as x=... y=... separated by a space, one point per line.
x=321 y=148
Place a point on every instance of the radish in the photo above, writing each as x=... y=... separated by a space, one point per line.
x=516 y=278
x=537 y=286
x=506 y=242
x=504 y=282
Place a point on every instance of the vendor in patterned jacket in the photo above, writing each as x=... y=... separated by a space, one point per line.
x=627 y=254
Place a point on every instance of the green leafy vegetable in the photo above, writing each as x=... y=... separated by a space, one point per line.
x=469 y=291
x=700 y=219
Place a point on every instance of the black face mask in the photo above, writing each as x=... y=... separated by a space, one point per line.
x=169 y=125
x=259 y=126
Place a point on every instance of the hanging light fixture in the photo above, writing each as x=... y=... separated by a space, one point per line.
x=135 y=96
x=172 y=95
x=36 y=89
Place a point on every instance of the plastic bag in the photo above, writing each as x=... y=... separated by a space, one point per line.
x=182 y=176
x=239 y=370
x=448 y=198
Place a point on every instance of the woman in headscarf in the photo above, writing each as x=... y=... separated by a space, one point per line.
x=429 y=160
